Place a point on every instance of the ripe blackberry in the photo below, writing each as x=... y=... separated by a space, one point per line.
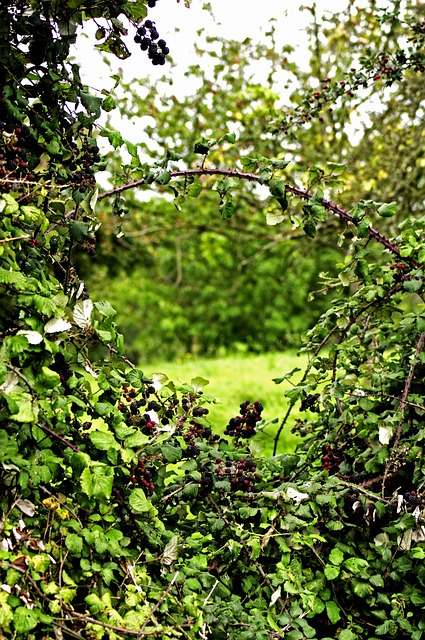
x=192 y=451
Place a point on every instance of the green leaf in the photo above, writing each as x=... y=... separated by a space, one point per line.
x=74 y=543
x=138 y=501
x=11 y=205
x=202 y=146
x=49 y=378
x=355 y=565
x=170 y=453
x=24 y=619
x=21 y=407
x=79 y=230
x=336 y=556
x=108 y=104
x=163 y=178
x=333 y=612
x=91 y=103
x=198 y=383
x=6 y=613
x=331 y=572
x=103 y=440
x=387 y=210
x=413 y=285
x=97 y=481
x=277 y=189
x=227 y=209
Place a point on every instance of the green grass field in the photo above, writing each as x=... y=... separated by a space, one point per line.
x=234 y=379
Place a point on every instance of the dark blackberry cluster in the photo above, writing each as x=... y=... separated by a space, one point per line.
x=192 y=451
x=80 y=170
x=88 y=246
x=147 y=37
x=310 y=402
x=413 y=498
x=243 y=426
x=206 y=482
x=61 y=367
x=15 y=156
x=401 y=270
x=143 y=477
x=198 y=412
x=331 y=460
x=241 y=473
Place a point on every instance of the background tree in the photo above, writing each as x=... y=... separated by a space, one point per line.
x=122 y=513
x=205 y=262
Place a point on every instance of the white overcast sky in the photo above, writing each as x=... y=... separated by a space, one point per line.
x=179 y=26
x=233 y=19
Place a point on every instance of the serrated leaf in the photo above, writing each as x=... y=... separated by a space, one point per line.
x=198 y=383
x=103 y=440
x=91 y=103
x=331 y=572
x=273 y=218
x=227 y=209
x=277 y=188
x=163 y=178
x=355 y=565
x=412 y=285
x=387 y=210
x=79 y=231
x=336 y=556
x=170 y=453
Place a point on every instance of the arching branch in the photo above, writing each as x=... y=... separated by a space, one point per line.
x=303 y=194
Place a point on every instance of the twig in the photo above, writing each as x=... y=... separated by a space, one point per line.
x=403 y=403
x=381 y=394
x=173 y=493
x=252 y=177
x=160 y=601
x=217 y=581
x=56 y=435
x=15 y=238
x=123 y=358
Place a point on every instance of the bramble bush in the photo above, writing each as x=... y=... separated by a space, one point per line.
x=122 y=513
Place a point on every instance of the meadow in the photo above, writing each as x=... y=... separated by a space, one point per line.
x=236 y=378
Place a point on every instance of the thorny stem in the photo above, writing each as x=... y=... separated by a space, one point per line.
x=56 y=435
x=403 y=403
x=160 y=601
x=252 y=177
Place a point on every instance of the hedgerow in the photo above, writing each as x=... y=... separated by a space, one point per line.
x=123 y=513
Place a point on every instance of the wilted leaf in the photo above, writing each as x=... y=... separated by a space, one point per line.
x=56 y=325
x=82 y=313
x=170 y=551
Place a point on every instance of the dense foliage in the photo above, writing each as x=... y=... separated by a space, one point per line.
x=190 y=257
x=122 y=513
